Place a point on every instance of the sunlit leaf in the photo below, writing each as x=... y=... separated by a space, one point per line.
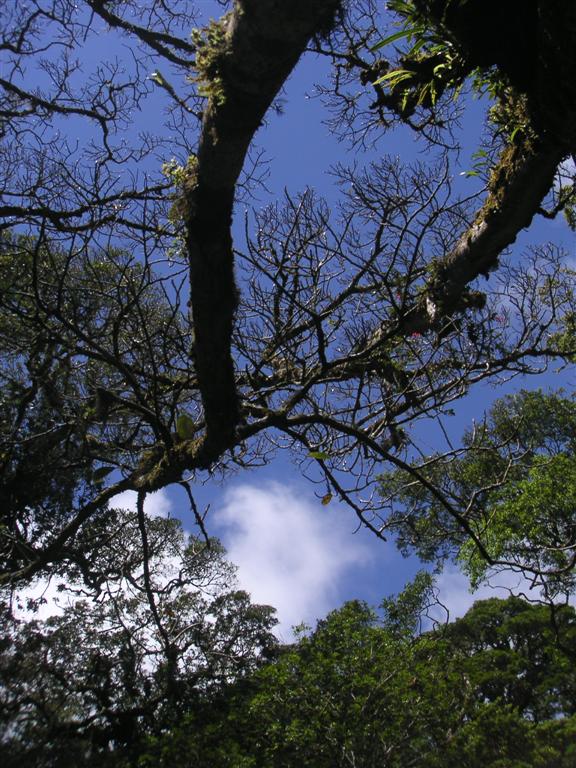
x=392 y=38
x=395 y=77
x=320 y=455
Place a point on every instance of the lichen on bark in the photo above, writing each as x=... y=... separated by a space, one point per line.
x=242 y=61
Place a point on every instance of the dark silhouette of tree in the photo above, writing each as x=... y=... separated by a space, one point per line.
x=136 y=646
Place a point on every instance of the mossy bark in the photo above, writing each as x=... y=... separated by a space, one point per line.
x=519 y=182
x=532 y=44
x=262 y=41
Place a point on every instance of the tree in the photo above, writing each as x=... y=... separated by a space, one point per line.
x=489 y=690
x=511 y=490
x=125 y=660
x=347 y=328
x=66 y=426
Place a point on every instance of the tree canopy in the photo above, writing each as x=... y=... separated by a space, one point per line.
x=147 y=340
x=511 y=489
x=127 y=656
x=142 y=346
x=180 y=669
x=489 y=690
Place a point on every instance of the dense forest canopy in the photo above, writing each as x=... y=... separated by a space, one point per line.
x=132 y=649
x=495 y=689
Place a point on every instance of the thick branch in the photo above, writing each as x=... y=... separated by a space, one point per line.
x=519 y=184
x=262 y=42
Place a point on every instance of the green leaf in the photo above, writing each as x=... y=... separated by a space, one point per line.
x=319 y=455
x=395 y=77
x=515 y=132
x=392 y=38
x=185 y=427
x=415 y=48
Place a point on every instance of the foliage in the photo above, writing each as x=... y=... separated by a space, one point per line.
x=80 y=336
x=493 y=689
x=431 y=66
x=142 y=347
x=452 y=41
x=500 y=52
x=507 y=499
x=122 y=662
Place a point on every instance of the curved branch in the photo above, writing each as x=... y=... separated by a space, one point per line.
x=162 y=43
x=40 y=558
x=262 y=41
x=519 y=188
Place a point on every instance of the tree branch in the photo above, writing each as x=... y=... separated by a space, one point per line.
x=519 y=183
x=260 y=44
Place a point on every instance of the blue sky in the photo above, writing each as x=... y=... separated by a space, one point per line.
x=292 y=552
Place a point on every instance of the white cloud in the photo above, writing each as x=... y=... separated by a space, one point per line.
x=455 y=594
x=291 y=552
x=47 y=598
x=50 y=600
x=157 y=504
